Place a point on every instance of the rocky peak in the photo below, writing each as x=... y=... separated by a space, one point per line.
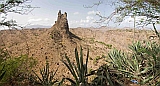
x=62 y=22
x=60 y=29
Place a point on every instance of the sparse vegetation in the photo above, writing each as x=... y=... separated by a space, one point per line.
x=106 y=45
x=140 y=66
x=79 y=70
x=92 y=41
x=16 y=69
x=46 y=78
x=95 y=60
x=2 y=73
x=143 y=53
x=104 y=76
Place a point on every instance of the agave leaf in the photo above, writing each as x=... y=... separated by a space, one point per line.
x=72 y=81
x=70 y=67
x=47 y=72
x=2 y=75
x=125 y=71
x=81 y=61
x=147 y=79
x=51 y=77
x=112 y=61
x=114 y=56
x=46 y=76
x=38 y=77
x=82 y=66
x=108 y=76
x=157 y=83
x=120 y=83
x=52 y=83
x=157 y=75
x=155 y=59
x=87 y=62
x=131 y=74
x=136 y=64
x=77 y=61
x=55 y=72
x=92 y=73
x=130 y=66
x=145 y=70
x=61 y=82
x=76 y=70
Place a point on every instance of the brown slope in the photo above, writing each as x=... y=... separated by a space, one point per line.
x=57 y=41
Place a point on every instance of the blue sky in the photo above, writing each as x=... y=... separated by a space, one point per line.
x=78 y=15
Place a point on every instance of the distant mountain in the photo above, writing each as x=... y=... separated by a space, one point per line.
x=38 y=26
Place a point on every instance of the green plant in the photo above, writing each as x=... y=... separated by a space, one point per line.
x=98 y=58
x=16 y=69
x=2 y=73
x=104 y=77
x=3 y=55
x=106 y=45
x=95 y=60
x=149 y=51
x=92 y=40
x=47 y=76
x=140 y=65
x=78 y=71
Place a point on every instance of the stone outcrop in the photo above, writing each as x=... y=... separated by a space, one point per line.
x=60 y=30
x=62 y=22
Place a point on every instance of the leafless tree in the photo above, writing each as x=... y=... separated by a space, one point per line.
x=123 y=8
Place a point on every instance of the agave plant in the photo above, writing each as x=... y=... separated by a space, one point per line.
x=140 y=65
x=150 y=52
x=105 y=76
x=78 y=70
x=47 y=76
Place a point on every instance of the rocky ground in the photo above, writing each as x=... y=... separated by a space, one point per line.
x=39 y=44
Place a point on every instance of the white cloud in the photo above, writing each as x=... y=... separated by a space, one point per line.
x=137 y=18
x=35 y=20
x=129 y=21
x=89 y=18
x=93 y=12
x=82 y=21
x=46 y=19
x=73 y=22
x=32 y=20
x=76 y=13
x=81 y=24
x=40 y=21
x=87 y=22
